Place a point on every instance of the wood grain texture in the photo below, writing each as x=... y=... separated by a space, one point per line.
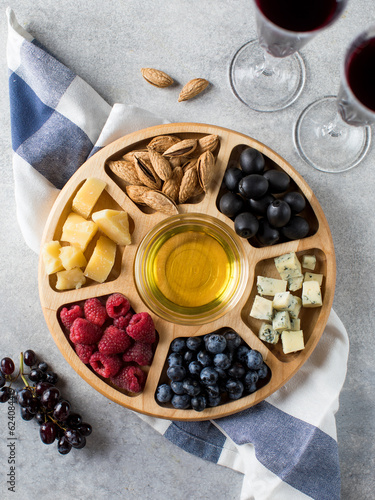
x=283 y=367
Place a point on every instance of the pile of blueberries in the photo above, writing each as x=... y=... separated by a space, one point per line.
x=251 y=202
x=211 y=370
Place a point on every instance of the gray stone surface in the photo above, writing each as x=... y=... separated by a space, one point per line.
x=107 y=43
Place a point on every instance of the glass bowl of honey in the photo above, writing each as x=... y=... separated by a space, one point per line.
x=190 y=269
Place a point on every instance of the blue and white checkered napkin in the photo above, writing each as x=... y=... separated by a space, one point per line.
x=286 y=446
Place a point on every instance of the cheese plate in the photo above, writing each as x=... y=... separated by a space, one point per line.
x=124 y=276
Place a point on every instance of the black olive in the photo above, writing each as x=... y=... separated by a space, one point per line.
x=267 y=235
x=246 y=225
x=278 y=213
x=297 y=228
x=296 y=201
x=278 y=181
x=231 y=179
x=252 y=161
x=231 y=204
x=253 y=186
x=259 y=207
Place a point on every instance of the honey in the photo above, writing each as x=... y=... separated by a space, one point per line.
x=189 y=269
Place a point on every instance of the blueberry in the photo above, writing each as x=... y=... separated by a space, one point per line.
x=263 y=371
x=254 y=360
x=178 y=345
x=177 y=387
x=213 y=401
x=233 y=340
x=213 y=391
x=198 y=403
x=174 y=359
x=194 y=343
x=204 y=358
x=221 y=360
x=251 y=388
x=222 y=373
x=181 y=402
x=237 y=370
x=234 y=386
x=176 y=373
x=209 y=375
x=232 y=177
x=252 y=161
x=191 y=386
x=242 y=353
x=195 y=368
x=164 y=393
x=251 y=377
x=188 y=356
x=216 y=343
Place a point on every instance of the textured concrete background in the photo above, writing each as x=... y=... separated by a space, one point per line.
x=107 y=43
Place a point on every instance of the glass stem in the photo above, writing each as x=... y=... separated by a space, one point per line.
x=269 y=65
x=334 y=127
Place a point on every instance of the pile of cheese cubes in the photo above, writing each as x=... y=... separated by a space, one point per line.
x=69 y=261
x=280 y=314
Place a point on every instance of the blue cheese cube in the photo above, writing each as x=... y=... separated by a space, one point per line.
x=311 y=294
x=288 y=265
x=295 y=283
x=268 y=334
x=270 y=286
x=282 y=301
x=281 y=321
x=309 y=262
x=295 y=324
x=295 y=307
x=292 y=341
x=314 y=277
x=262 y=308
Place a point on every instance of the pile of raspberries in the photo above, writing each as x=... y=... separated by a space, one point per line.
x=112 y=339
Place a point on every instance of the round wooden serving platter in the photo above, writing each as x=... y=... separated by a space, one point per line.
x=121 y=279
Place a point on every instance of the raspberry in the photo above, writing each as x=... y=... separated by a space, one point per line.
x=95 y=312
x=142 y=328
x=68 y=316
x=122 y=321
x=114 y=341
x=84 y=332
x=139 y=353
x=84 y=351
x=131 y=378
x=106 y=365
x=117 y=305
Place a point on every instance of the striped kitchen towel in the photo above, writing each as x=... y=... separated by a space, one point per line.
x=286 y=446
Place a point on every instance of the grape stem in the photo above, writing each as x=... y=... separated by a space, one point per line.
x=21 y=371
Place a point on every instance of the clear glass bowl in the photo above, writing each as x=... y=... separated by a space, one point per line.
x=190 y=269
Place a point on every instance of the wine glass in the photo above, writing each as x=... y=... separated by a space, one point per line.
x=333 y=134
x=268 y=74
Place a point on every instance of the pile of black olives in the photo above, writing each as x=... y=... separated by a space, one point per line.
x=251 y=202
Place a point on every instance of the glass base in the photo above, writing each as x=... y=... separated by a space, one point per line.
x=260 y=89
x=332 y=150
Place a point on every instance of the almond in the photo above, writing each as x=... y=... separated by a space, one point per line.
x=205 y=169
x=193 y=88
x=146 y=172
x=162 y=142
x=126 y=171
x=156 y=77
x=160 y=202
x=161 y=165
x=188 y=186
x=182 y=148
x=135 y=193
x=171 y=187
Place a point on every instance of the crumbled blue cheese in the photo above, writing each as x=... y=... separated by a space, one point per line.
x=295 y=324
x=270 y=286
x=281 y=321
x=295 y=307
x=311 y=294
x=282 y=301
x=292 y=341
x=295 y=283
x=268 y=334
x=309 y=262
x=262 y=308
x=314 y=277
x=288 y=265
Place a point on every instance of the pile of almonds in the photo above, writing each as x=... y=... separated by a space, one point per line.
x=168 y=172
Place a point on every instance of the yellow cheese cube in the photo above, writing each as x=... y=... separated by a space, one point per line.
x=87 y=196
x=292 y=341
x=51 y=257
x=72 y=257
x=67 y=280
x=114 y=224
x=102 y=260
x=78 y=231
